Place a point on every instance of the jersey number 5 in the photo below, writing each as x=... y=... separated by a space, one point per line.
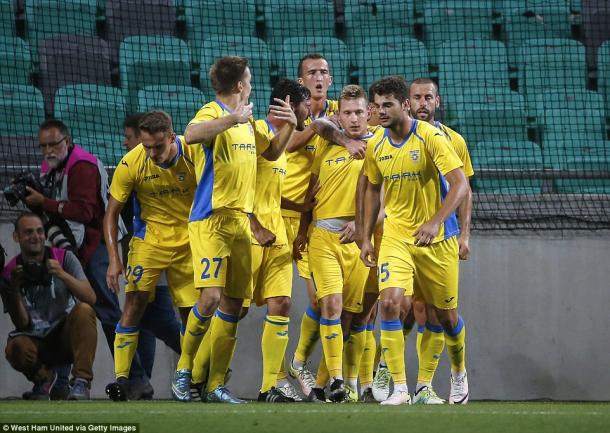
x=384 y=272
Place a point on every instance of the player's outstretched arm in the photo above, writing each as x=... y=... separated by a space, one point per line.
x=464 y=215
x=372 y=204
x=206 y=131
x=299 y=139
x=329 y=131
x=308 y=202
x=458 y=189
x=281 y=111
x=111 y=223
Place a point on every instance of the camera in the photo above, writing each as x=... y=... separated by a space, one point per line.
x=16 y=191
x=36 y=274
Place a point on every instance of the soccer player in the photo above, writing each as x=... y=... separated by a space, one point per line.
x=424 y=183
x=219 y=226
x=336 y=271
x=423 y=102
x=161 y=174
x=314 y=73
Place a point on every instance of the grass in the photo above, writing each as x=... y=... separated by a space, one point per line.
x=172 y=417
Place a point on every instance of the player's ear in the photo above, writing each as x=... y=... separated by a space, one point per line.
x=300 y=81
x=330 y=80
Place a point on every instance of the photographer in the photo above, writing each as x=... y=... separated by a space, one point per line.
x=49 y=300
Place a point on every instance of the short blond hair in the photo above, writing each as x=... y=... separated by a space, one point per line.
x=351 y=92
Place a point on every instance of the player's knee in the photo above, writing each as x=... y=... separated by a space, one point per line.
x=447 y=318
x=331 y=306
x=390 y=306
x=208 y=302
x=279 y=306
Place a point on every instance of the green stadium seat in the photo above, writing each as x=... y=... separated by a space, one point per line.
x=21 y=109
x=554 y=110
x=289 y=18
x=370 y=19
x=150 y=60
x=180 y=102
x=15 y=61
x=91 y=111
x=376 y=57
x=456 y=19
x=473 y=61
x=568 y=150
x=205 y=19
x=46 y=18
x=260 y=98
x=254 y=49
x=603 y=73
x=7 y=18
x=551 y=63
x=107 y=147
x=509 y=155
x=332 y=49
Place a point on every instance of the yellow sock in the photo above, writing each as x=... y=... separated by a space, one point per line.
x=273 y=345
x=431 y=345
x=125 y=345
x=332 y=344
x=352 y=355
x=310 y=333
x=322 y=376
x=456 y=346
x=393 y=349
x=222 y=343
x=196 y=327
x=201 y=364
x=282 y=375
x=367 y=363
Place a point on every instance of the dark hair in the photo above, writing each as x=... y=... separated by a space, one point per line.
x=372 y=92
x=23 y=215
x=55 y=124
x=311 y=56
x=352 y=91
x=156 y=121
x=226 y=72
x=393 y=85
x=284 y=87
x=133 y=121
x=424 y=80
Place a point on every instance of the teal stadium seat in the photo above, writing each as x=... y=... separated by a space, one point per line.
x=370 y=19
x=292 y=18
x=555 y=111
x=376 y=57
x=254 y=49
x=21 y=109
x=510 y=155
x=180 y=102
x=207 y=19
x=95 y=116
x=7 y=18
x=150 y=60
x=46 y=18
x=332 y=49
x=569 y=150
x=15 y=61
x=551 y=63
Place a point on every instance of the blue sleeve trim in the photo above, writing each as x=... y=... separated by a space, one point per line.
x=312 y=314
x=356 y=328
x=227 y=317
x=458 y=328
x=198 y=315
x=437 y=329
x=391 y=325
x=329 y=322
x=370 y=327
x=126 y=329
x=421 y=329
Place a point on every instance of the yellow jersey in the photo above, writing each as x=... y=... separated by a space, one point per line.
x=162 y=194
x=413 y=174
x=227 y=174
x=338 y=174
x=299 y=164
x=269 y=180
x=459 y=145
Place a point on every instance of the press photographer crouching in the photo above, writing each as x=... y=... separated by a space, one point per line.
x=49 y=299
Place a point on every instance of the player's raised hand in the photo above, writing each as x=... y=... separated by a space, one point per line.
x=115 y=270
x=348 y=233
x=298 y=246
x=464 y=247
x=243 y=113
x=356 y=148
x=283 y=111
x=367 y=254
x=426 y=233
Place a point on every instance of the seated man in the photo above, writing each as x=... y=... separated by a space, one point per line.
x=50 y=303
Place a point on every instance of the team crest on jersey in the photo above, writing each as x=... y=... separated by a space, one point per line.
x=181 y=176
x=414 y=154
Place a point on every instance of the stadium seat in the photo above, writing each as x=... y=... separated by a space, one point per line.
x=15 y=61
x=180 y=102
x=107 y=147
x=7 y=18
x=28 y=157
x=554 y=111
x=91 y=111
x=333 y=49
x=47 y=18
x=260 y=98
x=149 y=60
x=370 y=19
x=138 y=17
x=568 y=150
x=603 y=73
x=21 y=109
x=456 y=19
x=254 y=49
x=509 y=155
x=472 y=61
x=376 y=56
x=290 y=18
x=205 y=19
x=72 y=59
